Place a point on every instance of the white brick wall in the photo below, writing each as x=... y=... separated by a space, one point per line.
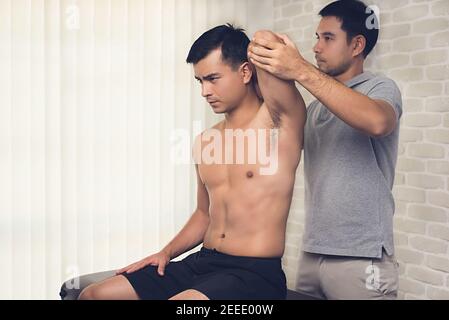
x=413 y=49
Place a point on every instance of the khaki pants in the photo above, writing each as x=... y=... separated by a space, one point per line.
x=348 y=278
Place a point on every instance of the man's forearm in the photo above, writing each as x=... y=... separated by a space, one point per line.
x=354 y=108
x=191 y=235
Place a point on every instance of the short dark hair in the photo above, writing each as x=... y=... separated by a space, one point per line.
x=354 y=16
x=232 y=41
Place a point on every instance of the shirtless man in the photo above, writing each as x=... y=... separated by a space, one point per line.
x=242 y=210
x=350 y=153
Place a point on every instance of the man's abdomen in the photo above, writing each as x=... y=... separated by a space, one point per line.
x=248 y=224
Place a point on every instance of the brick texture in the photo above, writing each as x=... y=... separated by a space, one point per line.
x=413 y=49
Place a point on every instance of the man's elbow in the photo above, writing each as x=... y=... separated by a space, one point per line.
x=382 y=128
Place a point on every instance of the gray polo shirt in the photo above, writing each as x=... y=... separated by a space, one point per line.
x=348 y=178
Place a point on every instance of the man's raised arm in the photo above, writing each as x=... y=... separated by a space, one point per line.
x=281 y=97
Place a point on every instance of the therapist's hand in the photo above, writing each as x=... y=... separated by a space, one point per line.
x=280 y=58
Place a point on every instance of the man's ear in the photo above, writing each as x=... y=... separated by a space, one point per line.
x=247 y=72
x=358 y=44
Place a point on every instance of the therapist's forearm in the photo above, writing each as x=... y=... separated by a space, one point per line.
x=352 y=107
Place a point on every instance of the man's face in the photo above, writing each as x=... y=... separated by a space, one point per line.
x=223 y=87
x=332 y=51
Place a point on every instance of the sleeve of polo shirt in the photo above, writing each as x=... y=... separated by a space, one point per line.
x=387 y=90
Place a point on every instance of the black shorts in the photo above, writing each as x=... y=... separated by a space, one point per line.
x=217 y=275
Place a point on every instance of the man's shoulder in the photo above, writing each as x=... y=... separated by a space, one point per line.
x=381 y=79
x=217 y=126
x=198 y=142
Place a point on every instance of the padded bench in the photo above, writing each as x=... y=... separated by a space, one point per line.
x=70 y=290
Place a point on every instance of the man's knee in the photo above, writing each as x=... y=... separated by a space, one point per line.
x=190 y=294
x=267 y=35
x=92 y=292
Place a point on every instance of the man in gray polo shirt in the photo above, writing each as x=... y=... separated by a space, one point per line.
x=350 y=152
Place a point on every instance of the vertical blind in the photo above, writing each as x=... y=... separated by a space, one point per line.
x=91 y=92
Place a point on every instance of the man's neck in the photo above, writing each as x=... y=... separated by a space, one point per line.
x=243 y=113
x=353 y=71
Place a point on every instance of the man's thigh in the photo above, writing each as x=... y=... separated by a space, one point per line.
x=149 y=285
x=360 y=278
